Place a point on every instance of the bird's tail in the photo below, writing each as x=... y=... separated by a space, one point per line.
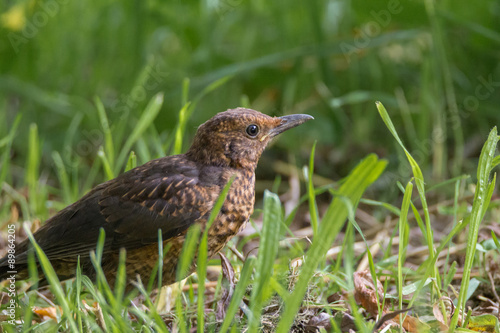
x=12 y=271
x=4 y=269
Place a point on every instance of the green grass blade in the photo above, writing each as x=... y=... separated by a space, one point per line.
x=188 y=108
x=159 y=267
x=108 y=138
x=183 y=118
x=431 y=264
x=132 y=161
x=181 y=126
x=152 y=317
x=496 y=162
x=419 y=181
x=78 y=284
x=482 y=196
x=62 y=174
x=188 y=251
x=53 y=280
x=495 y=240
x=185 y=91
x=34 y=279
x=404 y=231
x=268 y=249
x=96 y=258
x=442 y=64
x=18 y=197
x=33 y=166
x=105 y=164
x=393 y=209
x=5 y=165
x=146 y=119
x=239 y=292
x=313 y=208
x=121 y=279
x=365 y=173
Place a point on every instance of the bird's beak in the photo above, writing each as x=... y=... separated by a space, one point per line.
x=288 y=122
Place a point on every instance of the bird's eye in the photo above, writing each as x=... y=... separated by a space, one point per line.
x=253 y=130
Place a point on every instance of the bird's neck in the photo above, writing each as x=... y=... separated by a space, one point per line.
x=219 y=158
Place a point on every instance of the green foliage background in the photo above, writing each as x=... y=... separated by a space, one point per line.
x=428 y=61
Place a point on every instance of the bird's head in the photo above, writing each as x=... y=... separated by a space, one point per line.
x=237 y=137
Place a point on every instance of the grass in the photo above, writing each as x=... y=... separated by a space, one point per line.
x=269 y=280
x=101 y=87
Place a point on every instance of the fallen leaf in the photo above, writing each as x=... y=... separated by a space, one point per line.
x=365 y=295
x=438 y=314
x=334 y=297
x=365 y=292
x=484 y=323
x=347 y=323
x=389 y=316
x=46 y=313
x=321 y=320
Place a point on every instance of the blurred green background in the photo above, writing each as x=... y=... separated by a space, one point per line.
x=434 y=65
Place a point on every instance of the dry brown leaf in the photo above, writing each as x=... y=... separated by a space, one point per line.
x=97 y=311
x=389 y=316
x=321 y=320
x=412 y=324
x=438 y=314
x=14 y=214
x=365 y=295
x=334 y=297
x=365 y=291
x=348 y=324
x=46 y=313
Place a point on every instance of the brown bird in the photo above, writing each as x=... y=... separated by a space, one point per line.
x=170 y=193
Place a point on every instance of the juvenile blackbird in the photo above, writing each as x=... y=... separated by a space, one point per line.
x=170 y=193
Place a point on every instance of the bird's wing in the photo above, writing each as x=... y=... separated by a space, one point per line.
x=170 y=203
x=130 y=208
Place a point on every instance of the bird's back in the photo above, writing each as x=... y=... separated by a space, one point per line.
x=169 y=193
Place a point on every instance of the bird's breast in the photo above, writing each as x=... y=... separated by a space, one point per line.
x=234 y=213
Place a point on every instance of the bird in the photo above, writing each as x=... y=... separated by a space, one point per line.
x=169 y=194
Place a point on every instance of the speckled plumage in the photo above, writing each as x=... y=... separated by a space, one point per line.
x=170 y=193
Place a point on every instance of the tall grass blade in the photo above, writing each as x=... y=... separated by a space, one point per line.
x=239 y=292
x=132 y=161
x=365 y=173
x=78 y=293
x=181 y=125
x=313 y=208
x=188 y=108
x=146 y=119
x=32 y=167
x=482 y=196
x=108 y=137
x=121 y=279
x=442 y=64
x=495 y=240
x=404 y=233
x=419 y=181
x=268 y=249
x=105 y=164
x=62 y=174
x=7 y=141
